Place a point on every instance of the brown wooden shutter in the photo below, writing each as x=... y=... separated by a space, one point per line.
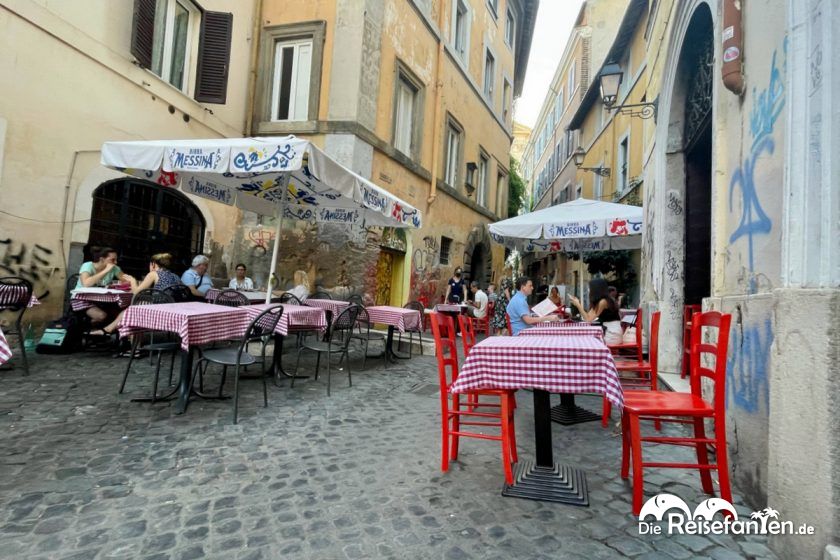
x=213 y=57
x=143 y=32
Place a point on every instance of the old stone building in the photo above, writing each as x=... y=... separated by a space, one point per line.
x=415 y=95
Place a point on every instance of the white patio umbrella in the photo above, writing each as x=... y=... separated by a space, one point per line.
x=285 y=177
x=580 y=225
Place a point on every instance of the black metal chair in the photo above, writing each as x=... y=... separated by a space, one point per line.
x=69 y=286
x=260 y=330
x=231 y=298
x=357 y=299
x=364 y=333
x=290 y=298
x=416 y=306
x=321 y=295
x=337 y=342
x=167 y=345
x=179 y=293
x=15 y=293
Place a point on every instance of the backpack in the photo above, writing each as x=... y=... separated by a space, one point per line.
x=62 y=336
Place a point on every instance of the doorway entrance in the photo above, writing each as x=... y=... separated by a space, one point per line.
x=140 y=219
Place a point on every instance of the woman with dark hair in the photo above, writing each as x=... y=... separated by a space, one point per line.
x=159 y=277
x=101 y=271
x=602 y=308
x=498 y=321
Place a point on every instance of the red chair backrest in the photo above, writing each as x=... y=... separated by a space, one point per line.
x=639 y=327
x=653 y=350
x=718 y=349
x=467 y=333
x=507 y=323
x=424 y=300
x=443 y=329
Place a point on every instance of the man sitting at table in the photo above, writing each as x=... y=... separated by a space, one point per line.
x=477 y=307
x=518 y=310
x=240 y=281
x=196 y=278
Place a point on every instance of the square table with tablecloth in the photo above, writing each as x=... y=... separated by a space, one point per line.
x=396 y=318
x=196 y=323
x=563 y=329
x=83 y=298
x=5 y=349
x=546 y=364
x=295 y=318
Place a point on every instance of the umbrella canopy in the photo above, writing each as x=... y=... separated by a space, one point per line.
x=578 y=225
x=254 y=173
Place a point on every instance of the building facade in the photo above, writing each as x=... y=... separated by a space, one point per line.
x=415 y=95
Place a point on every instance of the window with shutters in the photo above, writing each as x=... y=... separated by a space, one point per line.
x=483 y=178
x=459 y=35
x=173 y=39
x=288 y=77
x=489 y=74
x=453 y=147
x=570 y=81
x=174 y=29
x=408 y=112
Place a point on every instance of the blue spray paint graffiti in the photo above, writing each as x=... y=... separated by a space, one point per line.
x=747 y=385
x=766 y=110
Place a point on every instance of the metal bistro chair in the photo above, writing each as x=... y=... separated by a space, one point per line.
x=231 y=298
x=260 y=330
x=179 y=293
x=69 y=286
x=290 y=298
x=416 y=306
x=337 y=342
x=168 y=345
x=357 y=299
x=364 y=333
x=321 y=295
x=15 y=293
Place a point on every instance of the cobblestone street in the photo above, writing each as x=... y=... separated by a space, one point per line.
x=88 y=474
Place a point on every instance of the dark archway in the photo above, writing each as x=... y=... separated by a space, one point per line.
x=139 y=219
x=698 y=60
x=478 y=259
x=477 y=265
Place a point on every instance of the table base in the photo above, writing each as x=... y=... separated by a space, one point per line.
x=560 y=484
x=568 y=413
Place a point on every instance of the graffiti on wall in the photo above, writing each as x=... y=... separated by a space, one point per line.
x=31 y=262
x=425 y=274
x=767 y=107
x=261 y=239
x=747 y=366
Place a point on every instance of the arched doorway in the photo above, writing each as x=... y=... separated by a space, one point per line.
x=477 y=265
x=698 y=60
x=139 y=219
x=478 y=259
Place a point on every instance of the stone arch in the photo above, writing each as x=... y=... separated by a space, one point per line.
x=478 y=256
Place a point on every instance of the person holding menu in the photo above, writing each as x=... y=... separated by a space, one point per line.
x=521 y=316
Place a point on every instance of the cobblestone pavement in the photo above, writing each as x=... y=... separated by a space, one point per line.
x=87 y=474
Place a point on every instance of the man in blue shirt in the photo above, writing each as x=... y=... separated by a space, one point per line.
x=518 y=310
x=196 y=278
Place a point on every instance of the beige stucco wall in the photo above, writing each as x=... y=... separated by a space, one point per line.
x=74 y=88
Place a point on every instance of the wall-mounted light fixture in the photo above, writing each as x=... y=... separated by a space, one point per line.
x=579 y=156
x=469 y=183
x=610 y=77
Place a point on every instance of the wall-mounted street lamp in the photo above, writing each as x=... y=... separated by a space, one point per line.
x=610 y=78
x=579 y=155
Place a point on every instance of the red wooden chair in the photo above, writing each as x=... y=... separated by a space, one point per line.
x=688 y=408
x=507 y=323
x=467 y=333
x=443 y=328
x=688 y=313
x=425 y=301
x=646 y=370
x=483 y=324
x=632 y=347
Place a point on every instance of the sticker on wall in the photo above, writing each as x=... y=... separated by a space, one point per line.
x=730 y=54
x=728 y=33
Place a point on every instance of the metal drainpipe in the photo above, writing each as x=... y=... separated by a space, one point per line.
x=733 y=47
x=438 y=101
x=252 y=79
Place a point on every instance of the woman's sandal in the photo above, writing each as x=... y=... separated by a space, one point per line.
x=101 y=332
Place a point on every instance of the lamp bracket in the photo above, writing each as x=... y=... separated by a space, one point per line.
x=643 y=110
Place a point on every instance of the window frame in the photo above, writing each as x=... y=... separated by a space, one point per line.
x=507 y=101
x=279 y=46
x=482 y=186
x=463 y=56
x=445 y=253
x=403 y=74
x=510 y=21
x=493 y=6
x=190 y=58
x=622 y=160
x=453 y=124
x=570 y=81
x=270 y=36
x=489 y=96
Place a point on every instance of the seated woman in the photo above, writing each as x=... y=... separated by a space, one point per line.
x=554 y=296
x=159 y=278
x=101 y=271
x=241 y=282
x=301 y=289
x=602 y=308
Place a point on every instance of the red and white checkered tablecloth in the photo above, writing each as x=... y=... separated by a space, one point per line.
x=11 y=294
x=558 y=364
x=5 y=350
x=195 y=322
x=295 y=317
x=80 y=300
x=399 y=317
x=564 y=329
x=334 y=306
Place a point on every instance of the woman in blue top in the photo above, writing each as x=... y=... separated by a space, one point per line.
x=159 y=278
x=101 y=271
